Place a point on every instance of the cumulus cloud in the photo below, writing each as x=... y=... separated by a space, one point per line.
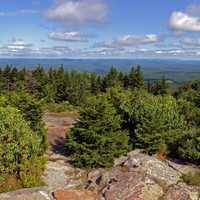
x=130 y=40
x=17 y=44
x=19 y=48
x=180 y=21
x=69 y=36
x=79 y=12
x=190 y=48
x=107 y=45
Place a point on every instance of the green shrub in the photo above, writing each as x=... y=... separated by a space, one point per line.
x=188 y=146
x=153 y=121
x=31 y=171
x=20 y=149
x=192 y=178
x=32 y=112
x=97 y=138
x=190 y=112
x=58 y=107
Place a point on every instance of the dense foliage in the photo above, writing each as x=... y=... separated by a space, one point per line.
x=97 y=138
x=118 y=111
x=20 y=151
x=156 y=120
x=31 y=110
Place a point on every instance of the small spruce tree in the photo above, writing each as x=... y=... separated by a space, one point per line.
x=97 y=138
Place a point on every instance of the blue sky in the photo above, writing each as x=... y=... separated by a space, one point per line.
x=100 y=29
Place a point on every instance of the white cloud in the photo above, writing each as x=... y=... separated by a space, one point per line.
x=180 y=21
x=17 y=44
x=107 y=45
x=71 y=12
x=130 y=40
x=19 y=48
x=69 y=36
x=191 y=41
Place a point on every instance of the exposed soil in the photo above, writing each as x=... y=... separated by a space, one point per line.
x=58 y=125
x=59 y=174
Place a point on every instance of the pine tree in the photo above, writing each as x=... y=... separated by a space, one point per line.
x=136 y=78
x=97 y=138
x=6 y=76
x=112 y=78
x=161 y=87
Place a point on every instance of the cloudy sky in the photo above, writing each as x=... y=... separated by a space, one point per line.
x=100 y=29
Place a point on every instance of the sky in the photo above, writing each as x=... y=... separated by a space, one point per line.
x=100 y=29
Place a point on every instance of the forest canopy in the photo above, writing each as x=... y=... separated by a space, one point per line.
x=118 y=112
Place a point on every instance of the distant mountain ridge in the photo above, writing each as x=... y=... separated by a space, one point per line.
x=178 y=70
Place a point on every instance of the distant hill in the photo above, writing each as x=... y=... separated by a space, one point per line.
x=176 y=70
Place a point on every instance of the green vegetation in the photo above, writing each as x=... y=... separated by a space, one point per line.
x=58 y=107
x=157 y=121
x=192 y=178
x=118 y=112
x=97 y=139
x=20 y=151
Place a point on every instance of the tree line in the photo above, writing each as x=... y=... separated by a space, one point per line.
x=118 y=112
x=58 y=85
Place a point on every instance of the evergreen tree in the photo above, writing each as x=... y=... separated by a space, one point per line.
x=126 y=81
x=112 y=79
x=6 y=76
x=97 y=138
x=136 y=78
x=162 y=87
x=95 y=83
x=13 y=78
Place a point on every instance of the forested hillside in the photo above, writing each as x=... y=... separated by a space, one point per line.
x=118 y=111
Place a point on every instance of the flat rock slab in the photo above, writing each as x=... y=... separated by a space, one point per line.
x=182 y=192
x=27 y=194
x=75 y=195
x=60 y=175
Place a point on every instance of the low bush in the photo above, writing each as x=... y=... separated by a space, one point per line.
x=192 y=178
x=58 y=107
x=188 y=146
x=20 y=149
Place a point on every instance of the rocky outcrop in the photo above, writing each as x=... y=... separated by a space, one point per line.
x=75 y=195
x=136 y=176
x=59 y=174
x=141 y=177
x=27 y=194
x=182 y=192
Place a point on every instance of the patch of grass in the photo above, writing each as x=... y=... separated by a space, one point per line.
x=192 y=178
x=10 y=183
x=124 y=169
x=162 y=152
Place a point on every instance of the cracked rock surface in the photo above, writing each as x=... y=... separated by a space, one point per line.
x=136 y=176
x=141 y=177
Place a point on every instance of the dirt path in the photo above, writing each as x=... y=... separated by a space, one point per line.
x=59 y=174
x=58 y=125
